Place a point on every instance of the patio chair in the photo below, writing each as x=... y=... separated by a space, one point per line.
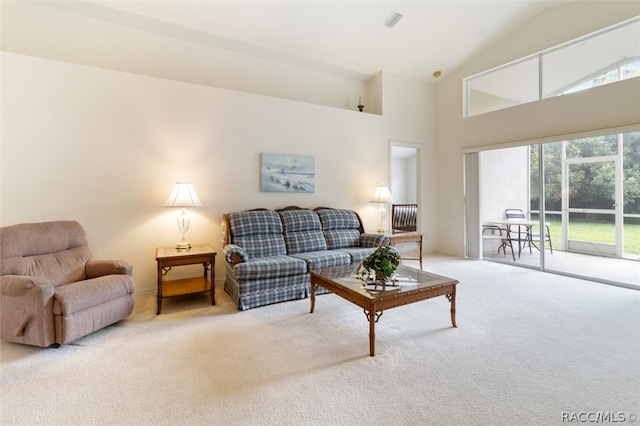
x=494 y=232
x=535 y=236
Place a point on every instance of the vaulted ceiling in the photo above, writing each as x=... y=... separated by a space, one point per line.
x=341 y=37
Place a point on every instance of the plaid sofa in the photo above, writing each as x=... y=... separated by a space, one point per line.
x=269 y=253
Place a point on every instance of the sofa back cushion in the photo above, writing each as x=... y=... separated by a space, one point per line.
x=341 y=228
x=259 y=232
x=57 y=251
x=302 y=231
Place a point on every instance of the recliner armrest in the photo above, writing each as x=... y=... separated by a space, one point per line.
x=26 y=310
x=19 y=285
x=98 y=268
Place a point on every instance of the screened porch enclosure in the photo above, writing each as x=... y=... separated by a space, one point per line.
x=590 y=211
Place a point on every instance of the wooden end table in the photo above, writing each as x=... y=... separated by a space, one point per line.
x=408 y=238
x=170 y=257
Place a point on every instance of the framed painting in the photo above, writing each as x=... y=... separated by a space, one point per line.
x=287 y=173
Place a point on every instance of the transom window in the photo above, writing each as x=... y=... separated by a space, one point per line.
x=606 y=56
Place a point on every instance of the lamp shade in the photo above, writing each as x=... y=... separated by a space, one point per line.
x=382 y=195
x=183 y=195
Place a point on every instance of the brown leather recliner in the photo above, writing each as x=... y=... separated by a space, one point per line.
x=51 y=289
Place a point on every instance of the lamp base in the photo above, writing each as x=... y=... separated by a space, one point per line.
x=183 y=245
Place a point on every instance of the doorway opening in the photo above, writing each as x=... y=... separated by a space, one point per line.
x=404 y=181
x=404 y=184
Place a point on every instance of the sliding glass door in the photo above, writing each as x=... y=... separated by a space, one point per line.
x=593 y=217
x=581 y=204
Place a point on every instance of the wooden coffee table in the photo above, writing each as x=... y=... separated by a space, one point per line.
x=413 y=285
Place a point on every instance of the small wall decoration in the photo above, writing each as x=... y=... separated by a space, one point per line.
x=288 y=173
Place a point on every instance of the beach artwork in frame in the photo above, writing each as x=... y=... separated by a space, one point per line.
x=287 y=173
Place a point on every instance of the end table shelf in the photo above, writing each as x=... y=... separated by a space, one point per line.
x=185 y=286
x=170 y=257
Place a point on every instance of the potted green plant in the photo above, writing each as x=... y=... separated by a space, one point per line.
x=380 y=265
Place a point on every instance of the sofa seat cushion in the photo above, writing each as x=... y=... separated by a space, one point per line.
x=358 y=254
x=324 y=259
x=74 y=297
x=269 y=267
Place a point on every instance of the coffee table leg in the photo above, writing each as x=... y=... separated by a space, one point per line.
x=452 y=298
x=313 y=296
x=372 y=333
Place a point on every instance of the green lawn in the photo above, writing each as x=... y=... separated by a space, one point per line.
x=598 y=232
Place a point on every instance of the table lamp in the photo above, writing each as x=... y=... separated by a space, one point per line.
x=381 y=196
x=183 y=195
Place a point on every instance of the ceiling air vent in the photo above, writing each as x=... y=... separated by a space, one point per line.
x=393 y=19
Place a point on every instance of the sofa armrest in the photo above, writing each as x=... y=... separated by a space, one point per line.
x=235 y=254
x=373 y=240
x=98 y=268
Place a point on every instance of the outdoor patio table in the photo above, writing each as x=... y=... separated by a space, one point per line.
x=527 y=224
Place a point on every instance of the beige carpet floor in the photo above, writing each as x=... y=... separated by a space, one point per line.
x=530 y=349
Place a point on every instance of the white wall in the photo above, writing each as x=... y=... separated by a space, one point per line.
x=600 y=108
x=105 y=148
x=410 y=106
x=129 y=43
x=504 y=182
x=403 y=180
